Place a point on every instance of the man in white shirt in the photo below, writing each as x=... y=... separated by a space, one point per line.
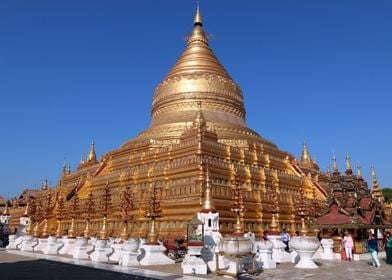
x=285 y=237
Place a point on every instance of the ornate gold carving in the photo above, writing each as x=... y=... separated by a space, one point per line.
x=74 y=207
x=89 y=208
x=60 y=209
x=153 y=212
x=238 y=205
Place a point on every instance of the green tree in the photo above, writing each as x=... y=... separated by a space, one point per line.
x=387 y=193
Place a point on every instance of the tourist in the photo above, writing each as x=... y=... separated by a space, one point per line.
x=388 y=247
x=319 y=236
x=265 y=237
x=384 y=239
x=348 y=244
x=373 y=250
x=285 y=237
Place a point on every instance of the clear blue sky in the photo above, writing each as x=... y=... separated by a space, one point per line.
x=70 y=71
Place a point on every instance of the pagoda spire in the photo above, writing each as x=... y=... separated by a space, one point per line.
x=91 y=155
x=199 y=121
x=349 y=170
x=305 y=157
x=208 y=202
x=359 y=172
x=198 y=35
x=198 y=20
x=45 y=185
x=335 y=166
x=375 y=187
x=64 y=168
x=374 y=177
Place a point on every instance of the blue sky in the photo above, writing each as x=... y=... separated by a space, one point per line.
x=71 y=71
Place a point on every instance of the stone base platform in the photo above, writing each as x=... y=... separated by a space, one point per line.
x=15 y=264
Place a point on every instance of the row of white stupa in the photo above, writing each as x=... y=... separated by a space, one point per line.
x=228 y=255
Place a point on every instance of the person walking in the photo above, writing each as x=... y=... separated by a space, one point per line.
x=388 y=247
x=373 y=250
x=348 y=244
x=285 y=237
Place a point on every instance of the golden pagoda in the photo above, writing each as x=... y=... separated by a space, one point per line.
x=197 y=134
x=376 y=191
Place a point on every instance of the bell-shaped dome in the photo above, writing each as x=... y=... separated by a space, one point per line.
x=198 y=78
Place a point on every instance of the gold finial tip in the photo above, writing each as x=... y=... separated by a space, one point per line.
x=359 y=173
x=373 y=171
x=335 y=165
x=305 y=157
x=198 y=20
x=348 y=163
x=45 y=185
x=91 y=157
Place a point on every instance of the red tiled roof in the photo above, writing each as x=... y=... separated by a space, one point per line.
x=365 y=202
x=368 y=217
x=333 y=217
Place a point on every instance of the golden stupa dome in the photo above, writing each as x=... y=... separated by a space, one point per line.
x=198 y=78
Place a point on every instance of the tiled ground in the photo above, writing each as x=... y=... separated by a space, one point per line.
x=39 y=266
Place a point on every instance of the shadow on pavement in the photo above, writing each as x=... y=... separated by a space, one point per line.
x=49 y=270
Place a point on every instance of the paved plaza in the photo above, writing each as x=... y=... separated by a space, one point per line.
x=23 y=265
